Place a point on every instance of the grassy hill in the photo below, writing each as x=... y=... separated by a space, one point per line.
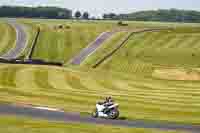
x=162 y=15
x=177 y=48
x=10 y=124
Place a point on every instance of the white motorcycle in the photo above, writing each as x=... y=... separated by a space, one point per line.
x=106 y=111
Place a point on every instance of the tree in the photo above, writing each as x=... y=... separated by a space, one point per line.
x=110 y=16
x=86 y=15
x=35 y=12
x=78 y=14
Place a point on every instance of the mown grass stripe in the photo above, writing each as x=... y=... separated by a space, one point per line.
x=42 y=81
x=196 y=44
x=189 y=42
x=163 y=41
x=181 y=40
x=8 y=39
x=25 y=79
x=7 y=76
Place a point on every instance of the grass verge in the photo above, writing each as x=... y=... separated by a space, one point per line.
x=11 y=124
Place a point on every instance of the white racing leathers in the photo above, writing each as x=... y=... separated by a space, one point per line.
x=106 y=110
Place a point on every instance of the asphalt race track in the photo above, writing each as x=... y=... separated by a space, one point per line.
x=77 y=60
x=21 y=40
x=57 y=115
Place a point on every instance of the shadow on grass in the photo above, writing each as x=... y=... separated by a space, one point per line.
x=122 y=118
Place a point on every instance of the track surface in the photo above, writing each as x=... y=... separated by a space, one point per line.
x=91 y=48
x=21 y=39
x=56 y=115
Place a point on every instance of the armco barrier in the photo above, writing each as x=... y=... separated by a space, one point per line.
x=123 y=42
x=33 y=62
x=34 y=44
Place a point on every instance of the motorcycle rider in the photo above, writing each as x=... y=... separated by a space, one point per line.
x=108 y=102
x=106 y=109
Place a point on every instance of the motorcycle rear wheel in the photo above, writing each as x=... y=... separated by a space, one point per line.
x=94 y=113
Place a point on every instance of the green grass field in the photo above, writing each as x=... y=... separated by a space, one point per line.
x=10 y=124
x=154 y=77
x=7 y=39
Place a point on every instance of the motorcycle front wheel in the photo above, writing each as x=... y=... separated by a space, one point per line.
x=114 y=114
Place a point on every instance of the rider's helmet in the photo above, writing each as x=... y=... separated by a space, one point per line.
x=109 y=99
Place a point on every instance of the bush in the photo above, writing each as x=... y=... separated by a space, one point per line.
x=67 y=27
x=60 y=26
x=120 y=23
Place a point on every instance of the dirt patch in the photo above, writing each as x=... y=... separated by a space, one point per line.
x=177 y=74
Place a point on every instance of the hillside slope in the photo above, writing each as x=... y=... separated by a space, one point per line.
x=139 y=97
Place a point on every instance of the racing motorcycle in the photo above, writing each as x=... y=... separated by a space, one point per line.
x=108 y=111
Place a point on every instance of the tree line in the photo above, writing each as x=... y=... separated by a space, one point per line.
x=41 y=12
x=79 y=15
x=171 y=15
x=35 y=12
